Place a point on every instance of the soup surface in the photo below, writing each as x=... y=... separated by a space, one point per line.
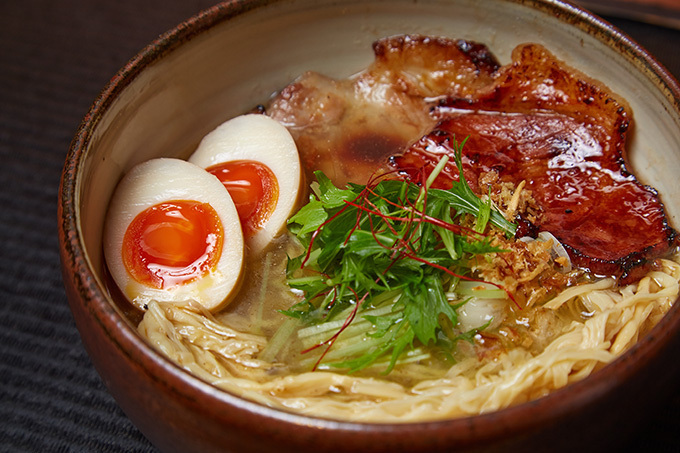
x=458 y=248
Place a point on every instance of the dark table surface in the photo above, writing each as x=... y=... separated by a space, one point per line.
x=55 y=57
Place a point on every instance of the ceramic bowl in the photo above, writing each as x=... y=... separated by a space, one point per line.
x=229 y=58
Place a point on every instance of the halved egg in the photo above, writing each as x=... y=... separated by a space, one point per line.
x=172 y=233
x=257 y=160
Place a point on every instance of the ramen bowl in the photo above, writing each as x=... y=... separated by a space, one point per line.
x=231 y=57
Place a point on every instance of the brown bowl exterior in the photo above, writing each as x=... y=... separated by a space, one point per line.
x=179 y=412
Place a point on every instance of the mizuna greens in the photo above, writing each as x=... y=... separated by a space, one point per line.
x=380 y=266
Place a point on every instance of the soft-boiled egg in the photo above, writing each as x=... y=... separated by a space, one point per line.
x=257 y=160
x=172 y=233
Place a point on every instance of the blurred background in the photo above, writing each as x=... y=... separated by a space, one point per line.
x=55 y=57
x=658 y=12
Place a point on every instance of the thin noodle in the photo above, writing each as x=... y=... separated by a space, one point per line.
x=618 y=317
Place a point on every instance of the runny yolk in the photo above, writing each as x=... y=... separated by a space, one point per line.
x=254 y=189
x=173 y=243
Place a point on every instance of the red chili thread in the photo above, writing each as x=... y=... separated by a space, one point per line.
x=402 y=248
x=331 y=341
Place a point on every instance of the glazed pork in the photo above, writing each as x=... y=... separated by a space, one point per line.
x=349 y=127
x=564 y=135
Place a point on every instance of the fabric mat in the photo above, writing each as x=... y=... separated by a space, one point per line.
x=55 y=57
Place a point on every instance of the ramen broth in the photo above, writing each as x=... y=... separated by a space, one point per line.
x=258 y=307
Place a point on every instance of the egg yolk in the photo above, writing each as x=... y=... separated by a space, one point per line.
x=173 y=243
x=253 y=188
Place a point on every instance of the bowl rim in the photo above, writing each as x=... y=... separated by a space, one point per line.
x=79 y=270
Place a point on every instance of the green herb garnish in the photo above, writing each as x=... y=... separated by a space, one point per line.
x=379 y=262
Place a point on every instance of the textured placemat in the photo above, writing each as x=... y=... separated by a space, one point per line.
x=54 y=59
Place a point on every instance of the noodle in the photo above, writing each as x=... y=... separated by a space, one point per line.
x=617 y=317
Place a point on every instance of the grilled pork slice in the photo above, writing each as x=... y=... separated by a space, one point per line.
x=347 y=128
x=564 y=135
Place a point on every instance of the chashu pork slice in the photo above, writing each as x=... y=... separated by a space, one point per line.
x=347 y=128
x=564 y=135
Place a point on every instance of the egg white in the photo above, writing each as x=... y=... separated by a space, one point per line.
x=162 y=180
x=262 y=139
